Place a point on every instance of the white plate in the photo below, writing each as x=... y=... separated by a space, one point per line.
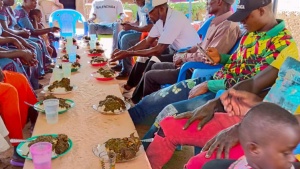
x=58 y=90
x=127 y=105
x=99 y=150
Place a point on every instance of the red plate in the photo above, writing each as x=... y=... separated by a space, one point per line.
x=94 y=54
x=97 y=76
x=98 y=64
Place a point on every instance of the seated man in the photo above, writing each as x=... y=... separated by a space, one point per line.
x=252 y=56
x=130 y=36
x=264 y=145
x=222 y=35
x=109 y=13
x=172 y=30
x=14 y=91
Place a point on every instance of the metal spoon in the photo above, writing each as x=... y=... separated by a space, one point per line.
x=38 y=109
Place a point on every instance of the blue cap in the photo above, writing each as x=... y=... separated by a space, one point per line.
x=151 y=4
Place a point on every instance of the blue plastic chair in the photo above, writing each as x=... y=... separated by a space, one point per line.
x=67 y=19
x=204 y=27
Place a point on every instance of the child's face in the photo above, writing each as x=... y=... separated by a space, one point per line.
x=39 y=17
x=278 y=153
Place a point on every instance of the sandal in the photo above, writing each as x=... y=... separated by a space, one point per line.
x=17 y=163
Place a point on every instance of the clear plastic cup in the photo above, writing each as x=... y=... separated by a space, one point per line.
x=66 y=67
x=92 y=44
x=108 y=161
x=41 y=153
x=58 y=74
x=51 y=110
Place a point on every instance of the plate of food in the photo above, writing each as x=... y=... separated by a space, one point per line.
x=65 y=58
x=126 y=149
x=98 y=61
x=111 y=105
x=104 y=74
x=64 y=104
x=95 y=52
x=61 y=145
x=60 y=87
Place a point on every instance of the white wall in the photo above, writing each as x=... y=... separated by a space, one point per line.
x=288 y=5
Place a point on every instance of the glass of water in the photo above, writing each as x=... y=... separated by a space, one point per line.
x=51 y=109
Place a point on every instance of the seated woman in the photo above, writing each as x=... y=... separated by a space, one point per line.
x=14 y=91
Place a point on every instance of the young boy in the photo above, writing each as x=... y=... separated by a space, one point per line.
x=268 y=135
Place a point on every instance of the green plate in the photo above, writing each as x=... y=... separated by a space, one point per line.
x=23 y=148
x=38 y=107
x=74 y=69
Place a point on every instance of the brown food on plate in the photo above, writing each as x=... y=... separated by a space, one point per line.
x=59 y=144
x=125 y=148
x=62 y=102
x=66 y=57
x=96 y=51
x=112 y=103
x=106 y=72
x=64 y=83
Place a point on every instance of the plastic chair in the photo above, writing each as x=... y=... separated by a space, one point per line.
x=67 y=19
x=203 y=29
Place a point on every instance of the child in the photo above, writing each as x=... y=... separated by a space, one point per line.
x=268 y=135
x=35 y=16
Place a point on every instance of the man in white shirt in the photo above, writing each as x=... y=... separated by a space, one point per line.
x=171 y=28
x=108 y=13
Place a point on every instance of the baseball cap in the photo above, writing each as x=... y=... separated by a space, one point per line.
x=151 y=4
x=245 y=7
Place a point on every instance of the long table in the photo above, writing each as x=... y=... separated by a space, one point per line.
x=85 y=126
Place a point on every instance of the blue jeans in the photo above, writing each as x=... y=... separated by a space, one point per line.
x=157 y=101
x=127 y=39
x=106 y=29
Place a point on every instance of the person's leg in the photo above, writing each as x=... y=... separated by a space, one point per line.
x=139 y=90
x=127 y=41
x=199 y=161
x=25 y=92
x=177 y=108
x=155 y=102
x=136 y=73
x=161 y=149
x=160 y=73
x=116 y=28
x=39 y=56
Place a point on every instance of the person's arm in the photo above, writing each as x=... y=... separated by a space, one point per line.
x=146 y=28
x=19 y=38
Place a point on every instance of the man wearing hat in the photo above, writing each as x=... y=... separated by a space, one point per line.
x=221 y=34
x=262 y=50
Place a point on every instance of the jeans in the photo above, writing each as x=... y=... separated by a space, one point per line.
x=127 y=39
x=155 y=102
x=219 y=164
x=106 y=29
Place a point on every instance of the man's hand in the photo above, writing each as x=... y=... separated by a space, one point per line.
x=24 y=33
x=238 y=103
x=198 y=90
x=178 y=63
x=213 y=54
x=114 y=52
x=55 y=29
x=127 y=27
x=120 y=55
x=223 y=141
x=204 y=113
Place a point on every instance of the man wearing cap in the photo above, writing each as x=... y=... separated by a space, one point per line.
x=171 y=28
x=265 y=47
x=222 y=35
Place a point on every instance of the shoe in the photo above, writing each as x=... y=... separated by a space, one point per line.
x=122 y=76
x=117 y=68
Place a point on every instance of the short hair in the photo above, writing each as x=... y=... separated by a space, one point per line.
x=263 y=121
x=34 y=12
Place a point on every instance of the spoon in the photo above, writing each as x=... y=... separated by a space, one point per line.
x=38 y=109
x=18 y=140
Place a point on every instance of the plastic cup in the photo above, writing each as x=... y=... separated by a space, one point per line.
x=58 y=74
x=92 y=44
x=51 y=110
x=66 y=67
x=108 y=162
x=41 y=153
x=93 y=36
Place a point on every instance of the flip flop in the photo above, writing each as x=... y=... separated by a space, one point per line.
x=16 y=163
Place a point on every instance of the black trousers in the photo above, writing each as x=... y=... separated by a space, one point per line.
x=137 y=95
